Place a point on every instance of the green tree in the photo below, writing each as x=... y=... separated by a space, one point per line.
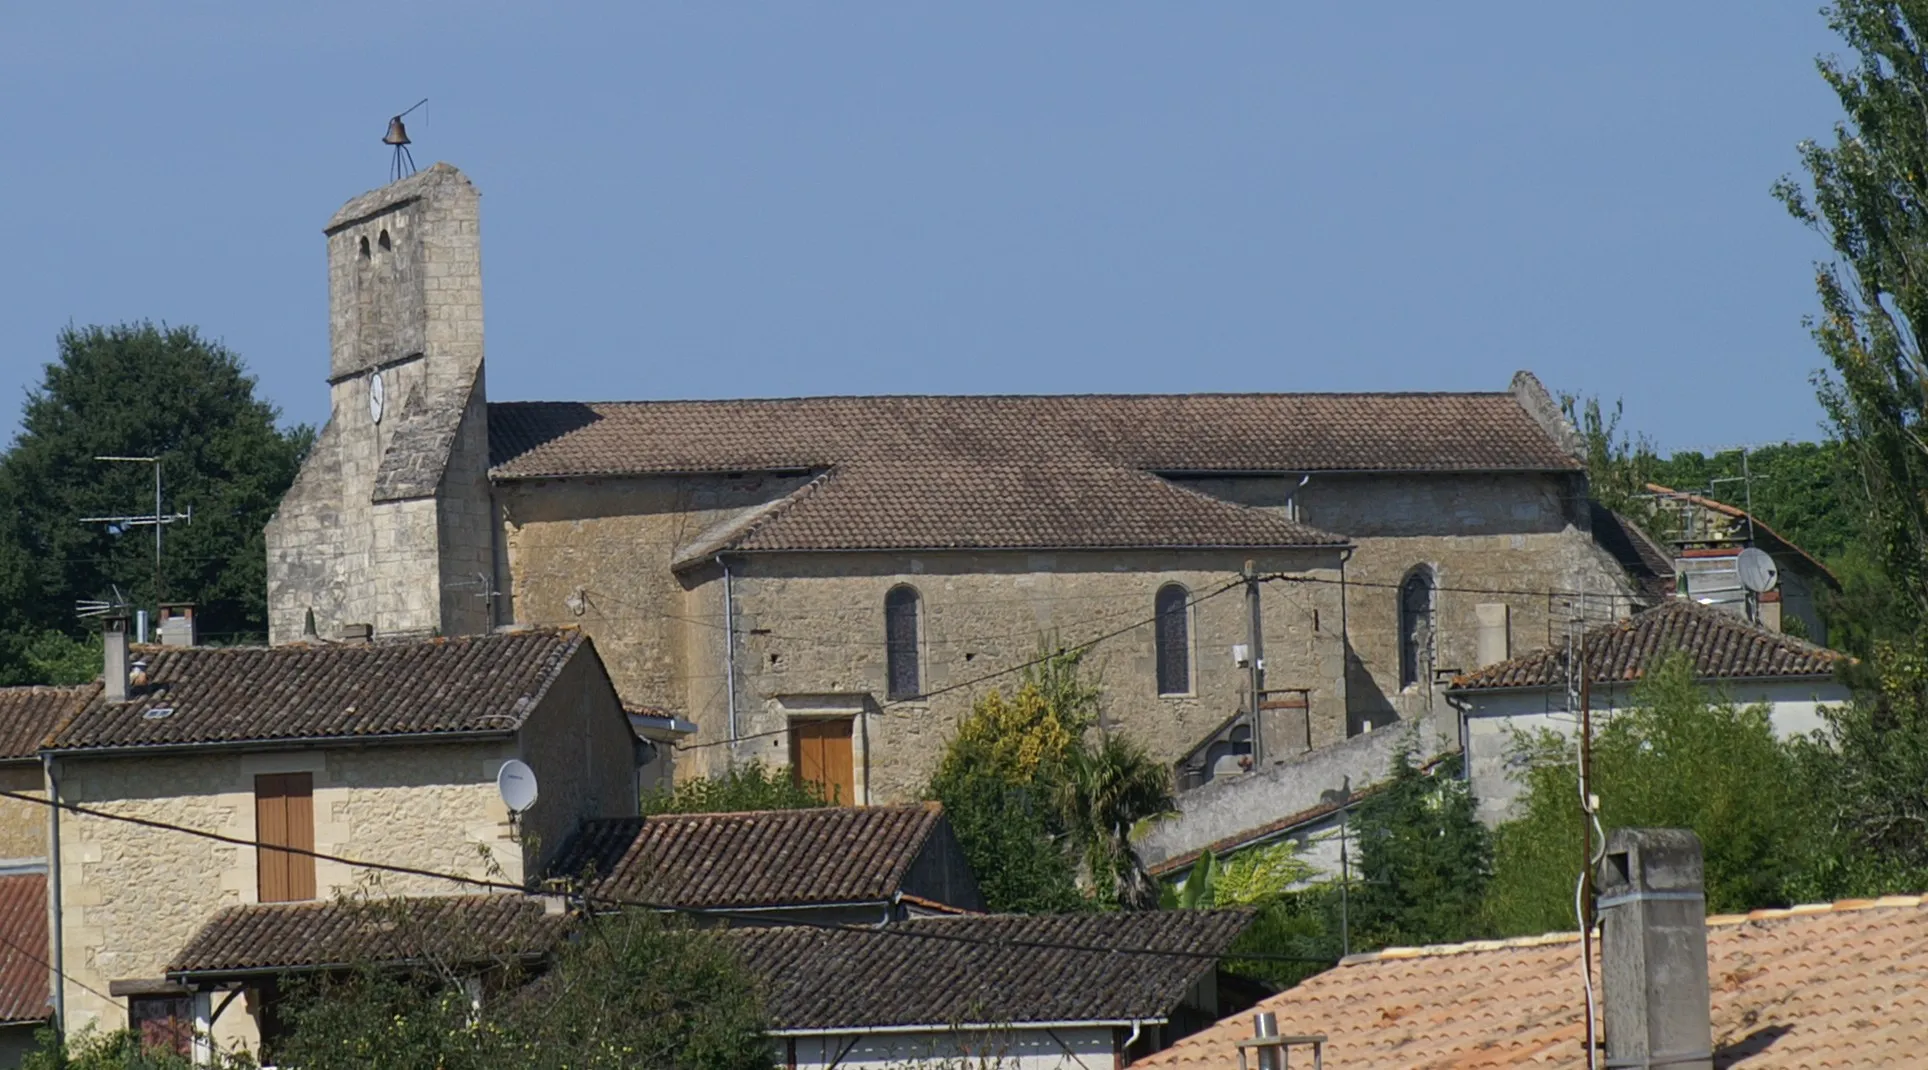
x=635 y=989
x=1677 y=759
x=1867 y=196
x=1107 y=789
x=91 y=1050
x=1291 y=919
x=751 y=786
x=139 y=390
x=1868 y=778
x=999 y=783
x=1424 y=859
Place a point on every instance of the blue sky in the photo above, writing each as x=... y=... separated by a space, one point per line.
x=724 y=200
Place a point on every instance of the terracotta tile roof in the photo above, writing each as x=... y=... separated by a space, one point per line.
x=760 y=859
x=838 y=979
x=1021 y=472
x=28 y=714
x=1723 y=646
x=302 y=691
x=1834 y=985
x=25 y=989
x=267 y=937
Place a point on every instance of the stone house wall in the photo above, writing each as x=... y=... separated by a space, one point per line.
x=579 y=743
x=132 y=896
x=23 y=825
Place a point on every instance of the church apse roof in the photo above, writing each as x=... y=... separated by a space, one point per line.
x=1021 y=472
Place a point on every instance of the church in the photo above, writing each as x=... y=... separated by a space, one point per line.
x=825 y=583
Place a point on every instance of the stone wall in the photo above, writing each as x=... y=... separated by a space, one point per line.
x=131 y=896
x=810 y=642
x=606 y=548
x=390 y=518
x=580 y=745
x=23 y=825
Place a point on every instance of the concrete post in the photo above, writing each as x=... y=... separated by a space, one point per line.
x=1653 y=951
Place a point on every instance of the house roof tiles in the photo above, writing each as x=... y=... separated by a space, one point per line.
x=997 y=970
x=1831 y=985
x=1722 y=645
x=25 y=990
x=1021 y=472
x=28 y=714
x=758 y=859
x=267 y=937
x=305 y=691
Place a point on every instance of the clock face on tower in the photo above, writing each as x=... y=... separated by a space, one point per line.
x=376 y=397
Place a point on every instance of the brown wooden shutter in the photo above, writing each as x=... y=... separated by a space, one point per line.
x=284 y=816
x=820 y=755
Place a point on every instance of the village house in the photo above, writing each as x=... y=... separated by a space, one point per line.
x=825 y=583
x=1504 y=708
x=384 y=752
x=1821 y=985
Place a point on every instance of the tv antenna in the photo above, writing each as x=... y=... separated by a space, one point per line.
x=397 y=137
x=157 y=518
x=108 y=607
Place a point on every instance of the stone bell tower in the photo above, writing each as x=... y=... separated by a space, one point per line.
x=389 y=523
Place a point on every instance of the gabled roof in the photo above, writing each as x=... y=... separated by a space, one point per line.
x=28 y=714
x=768 y=858
x=1648 y=567
x=1016 y=472
x=1723 y=646
x=304 y=691
x=999 y=970
x=1833 y=985
x=25 y=989
x=274 y=937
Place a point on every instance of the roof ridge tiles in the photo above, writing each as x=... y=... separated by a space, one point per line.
x=1801 y=910
x=1096 y=395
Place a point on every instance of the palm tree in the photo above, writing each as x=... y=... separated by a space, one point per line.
x=1106 y=791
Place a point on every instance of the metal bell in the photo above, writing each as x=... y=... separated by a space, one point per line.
x=397 y=133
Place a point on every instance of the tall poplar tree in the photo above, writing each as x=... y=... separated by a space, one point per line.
x=1867 y=195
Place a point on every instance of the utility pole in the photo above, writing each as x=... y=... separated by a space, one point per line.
x=1255 y=661
x=156 y=518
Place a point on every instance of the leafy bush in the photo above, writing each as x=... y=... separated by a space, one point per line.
x=751 y=786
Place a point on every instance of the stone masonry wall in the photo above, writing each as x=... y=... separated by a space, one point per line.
x=607 y=547
x=132 y=896
x=811 y=638
x=23 y=825
x=410 y=309
x=580 y=745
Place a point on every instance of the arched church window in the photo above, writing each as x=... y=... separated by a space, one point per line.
x=1173 y=639
x=901 y=628
x=1417 y=631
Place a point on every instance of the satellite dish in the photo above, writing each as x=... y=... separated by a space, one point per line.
x=1758 y=572
x=516 y=783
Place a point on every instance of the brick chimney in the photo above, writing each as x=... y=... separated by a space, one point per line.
x=113 y=635
x=1653 y=951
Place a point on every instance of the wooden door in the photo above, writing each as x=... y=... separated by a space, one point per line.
x=820 y=755
x=284 y=816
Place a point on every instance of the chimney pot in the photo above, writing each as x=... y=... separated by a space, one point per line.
x=1653 y=951
x=177 y=625
x=113 y=634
